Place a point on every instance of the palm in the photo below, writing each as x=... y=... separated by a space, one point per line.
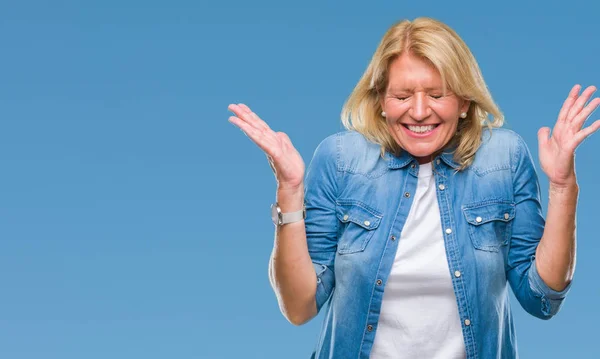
x=557 y=152
x=284 y=159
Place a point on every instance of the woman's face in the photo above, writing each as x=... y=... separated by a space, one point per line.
x=418 y=116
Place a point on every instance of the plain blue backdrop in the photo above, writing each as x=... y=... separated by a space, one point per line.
x=134 y=218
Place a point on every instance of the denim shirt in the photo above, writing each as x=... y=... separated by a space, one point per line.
x=357 y=203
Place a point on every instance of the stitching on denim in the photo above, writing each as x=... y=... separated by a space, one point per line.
x=337 y=180
x=461 y=283
x=374 y=215
x=370 y=175
x=344 y=202
x=482 y=172
x=487 y=202
x=362 y=341
x=517 y=154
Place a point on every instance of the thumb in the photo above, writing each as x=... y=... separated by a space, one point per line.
x=284 y=137
x=270 y=160
x=543 y=136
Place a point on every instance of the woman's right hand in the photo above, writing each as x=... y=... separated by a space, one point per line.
x=285 y=161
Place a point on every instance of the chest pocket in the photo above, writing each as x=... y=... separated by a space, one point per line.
x=358 y=223
x=489 y=223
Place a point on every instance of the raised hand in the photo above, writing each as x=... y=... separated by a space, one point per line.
x=557 y=153
x=285 y=161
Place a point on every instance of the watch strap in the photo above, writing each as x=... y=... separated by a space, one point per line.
x=292 y=217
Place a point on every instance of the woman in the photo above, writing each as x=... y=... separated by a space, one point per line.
x=419 y=217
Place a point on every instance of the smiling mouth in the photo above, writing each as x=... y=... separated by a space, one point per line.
x=421 y=129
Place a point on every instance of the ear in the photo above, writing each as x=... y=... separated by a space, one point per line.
x=381 y=98
x=465 y=106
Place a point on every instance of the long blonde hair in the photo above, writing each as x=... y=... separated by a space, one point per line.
x=434 y=41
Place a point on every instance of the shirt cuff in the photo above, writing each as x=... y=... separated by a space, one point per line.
x=551 y=299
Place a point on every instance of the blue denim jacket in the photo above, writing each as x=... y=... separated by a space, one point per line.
x=357 y=203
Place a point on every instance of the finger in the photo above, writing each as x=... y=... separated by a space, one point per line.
x=580 y=102
x=586 y=132
x=243 y=114
x=543 y=136
x=562 y=115
x=257 y=136
x=254 y=116
x=580 y=119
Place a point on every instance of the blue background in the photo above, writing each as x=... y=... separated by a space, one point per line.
x=134 y=218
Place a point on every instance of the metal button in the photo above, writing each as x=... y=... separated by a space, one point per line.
x=413 y=166
x=345 y=217
x=506 y=216
x=438 y=161
x=457 y=273
x=467 y=322
x=379 y=281
x=393 y=238
x=407 y=195
x=367 y=223
x=478 y=219
x=442 y=187
x=448 y=230
x=370 y=327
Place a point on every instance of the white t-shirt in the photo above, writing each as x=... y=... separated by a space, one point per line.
x=419 y=314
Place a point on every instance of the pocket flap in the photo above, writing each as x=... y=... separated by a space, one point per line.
x=359 y=213
x=480 y=213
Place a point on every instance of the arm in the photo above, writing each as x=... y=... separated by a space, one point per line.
x=556 y=252
x=534 y=295
x=553 y=263
x=301 y=265
x=291 y=272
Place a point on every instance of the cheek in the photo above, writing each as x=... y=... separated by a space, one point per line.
x=445 y=110
x=396 y=109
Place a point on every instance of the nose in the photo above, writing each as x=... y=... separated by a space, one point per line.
x=420 y=110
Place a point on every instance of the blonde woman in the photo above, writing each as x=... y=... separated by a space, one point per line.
x=413 y=223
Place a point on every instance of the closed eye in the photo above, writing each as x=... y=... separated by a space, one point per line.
x=437 y=97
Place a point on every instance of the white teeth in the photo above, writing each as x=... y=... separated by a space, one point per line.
x=421 y=129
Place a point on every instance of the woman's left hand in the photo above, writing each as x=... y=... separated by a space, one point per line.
x=557 y=153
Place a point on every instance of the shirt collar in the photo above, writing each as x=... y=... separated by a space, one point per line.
x=398 y=161
x=406 y=158
x=448 y=157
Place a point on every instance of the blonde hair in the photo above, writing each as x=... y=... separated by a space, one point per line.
x=437 y=43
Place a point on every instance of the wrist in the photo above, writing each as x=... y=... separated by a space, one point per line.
x=563 y=194
x=567 y=186
x=290 y=199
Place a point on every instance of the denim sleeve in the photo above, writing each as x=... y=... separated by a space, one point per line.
x=321 y=222
x=530 y=290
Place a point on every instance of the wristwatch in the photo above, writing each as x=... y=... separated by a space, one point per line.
x=280 y=219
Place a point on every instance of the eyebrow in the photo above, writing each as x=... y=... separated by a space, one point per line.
x=437 y=88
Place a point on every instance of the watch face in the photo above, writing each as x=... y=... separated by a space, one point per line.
x=275 y=213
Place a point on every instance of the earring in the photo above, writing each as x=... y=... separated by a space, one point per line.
x=463 y=115
x=383 y=114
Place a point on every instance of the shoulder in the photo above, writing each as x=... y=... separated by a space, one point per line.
x=348 y=143
x=352 y=150
x=500 y=148
x=500 y=138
